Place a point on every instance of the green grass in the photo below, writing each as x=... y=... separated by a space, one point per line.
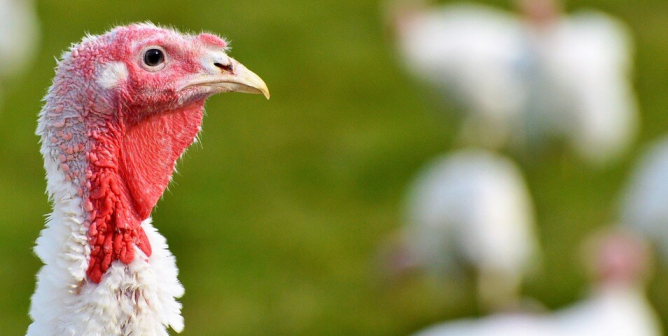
x=275 y=218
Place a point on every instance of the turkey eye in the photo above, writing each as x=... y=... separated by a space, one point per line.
x=154 y=57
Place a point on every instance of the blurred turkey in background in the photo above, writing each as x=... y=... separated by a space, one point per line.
x=644 y=201
x=470 y=210
x=523 y=80
x=616 y=304
x=19 y=37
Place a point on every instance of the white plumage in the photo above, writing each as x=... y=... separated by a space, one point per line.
x=644 y=201
x=146 y=289
x=473 y=208
x=616 y=306
x=605 y=312
x=470 y=53
x=589 y=58
x=521 y=83
x=19 y=34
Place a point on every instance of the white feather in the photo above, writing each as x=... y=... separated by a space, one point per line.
x=605 y=312
x=19 y=35
x=644 y=201
x=521 y=86
x=473 y=207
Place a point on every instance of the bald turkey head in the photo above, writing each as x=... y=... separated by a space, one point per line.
x=123 y=107
x=618 y=258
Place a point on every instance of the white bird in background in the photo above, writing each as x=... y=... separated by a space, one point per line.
x=19 y=35
x=471 y=208
x=522 y=80
x=644 y=201
x=616 y=305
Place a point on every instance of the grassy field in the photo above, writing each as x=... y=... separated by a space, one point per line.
x=275 y=217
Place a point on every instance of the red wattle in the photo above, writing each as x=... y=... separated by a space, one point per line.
x=128 y=170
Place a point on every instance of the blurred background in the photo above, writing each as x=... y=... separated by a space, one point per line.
x=277 y=217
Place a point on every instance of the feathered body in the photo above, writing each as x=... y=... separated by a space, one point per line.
x=114 y=122
x=19 y=37
x=521 y=83
x=616 y=306
x=606 y=312
x=644 y=199
x=473 y=208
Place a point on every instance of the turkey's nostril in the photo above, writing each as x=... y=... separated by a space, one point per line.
x=226 y=67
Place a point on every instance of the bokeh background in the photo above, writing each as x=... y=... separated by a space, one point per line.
x=275 y=218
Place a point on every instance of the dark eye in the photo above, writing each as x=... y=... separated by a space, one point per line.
x=154 y=57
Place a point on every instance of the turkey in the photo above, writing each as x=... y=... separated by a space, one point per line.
x=643 y=200
x=123 y=107
x=470 y=209
x=19 y=34
x=524 y=80
x=616 y=306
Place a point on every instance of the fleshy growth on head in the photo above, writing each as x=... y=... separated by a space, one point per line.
x=618 y=258
x=539 y=12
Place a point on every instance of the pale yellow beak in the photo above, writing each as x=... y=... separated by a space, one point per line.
x=244 y=80
x=234 y=77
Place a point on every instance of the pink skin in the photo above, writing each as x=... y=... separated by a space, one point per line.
x=540 y=13
x=119 y=144
x=405 y=14
x=620 y=259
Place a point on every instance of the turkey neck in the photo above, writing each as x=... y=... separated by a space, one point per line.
x=116 y=164
x=129 y=167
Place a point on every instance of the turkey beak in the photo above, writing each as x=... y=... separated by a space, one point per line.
x=224 y=74
x=235 y=77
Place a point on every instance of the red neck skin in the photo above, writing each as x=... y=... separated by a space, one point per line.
x=129 y=168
